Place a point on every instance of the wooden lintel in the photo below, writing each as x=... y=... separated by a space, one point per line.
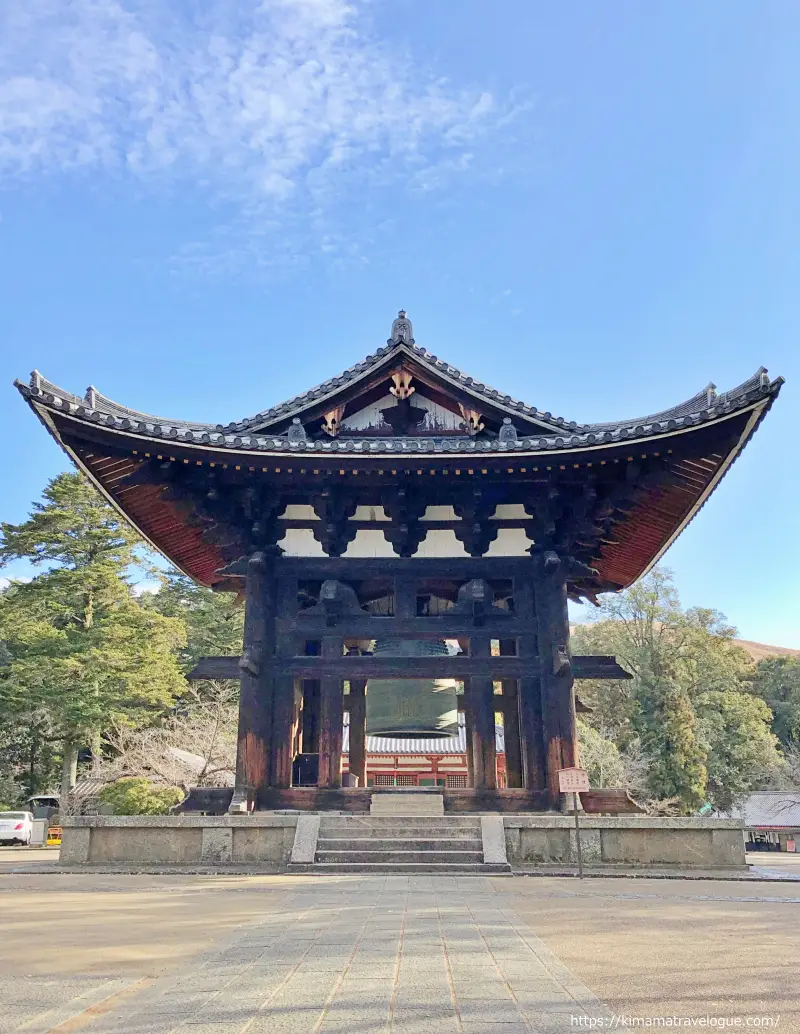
x=584 y=667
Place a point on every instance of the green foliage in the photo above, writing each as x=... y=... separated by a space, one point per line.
x=776 y=681
x=741 y=751
x=214 y=620
x=138 y=796
x=81 y=652
x=601 y=757
x=686 y=703
x=668 y=730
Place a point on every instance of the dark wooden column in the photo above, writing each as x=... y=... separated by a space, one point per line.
x=529 y=690
x=511 y=722
x=283 y=721
x=331 y=715
x=559 y=732
x=254 y=744
x=468 y=725
x=358 y=730
x=480 y=695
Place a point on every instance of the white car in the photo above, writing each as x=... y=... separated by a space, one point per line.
x=16 y=827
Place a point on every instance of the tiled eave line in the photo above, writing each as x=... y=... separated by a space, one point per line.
x=249 y=445
x=46 y=420
x=756 y=416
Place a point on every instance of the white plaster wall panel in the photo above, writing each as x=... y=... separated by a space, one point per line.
x=370 y=417
x=437 y=418
x=509 y=542
x=440 y=513
x=511 y=512
x=300 y=542
x=300 y=512
x=370 y=513
x=369 y=543
x=441 y=543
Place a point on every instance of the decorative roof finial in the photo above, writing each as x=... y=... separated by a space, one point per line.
x=402 y=330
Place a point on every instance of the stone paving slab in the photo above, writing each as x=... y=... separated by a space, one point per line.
x=390 y=955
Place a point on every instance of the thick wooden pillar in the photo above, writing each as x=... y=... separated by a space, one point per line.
x=511 y=722
x=480 y=693
x=559 y=731
x=283 y=727
x=358 y=730
x=529 y=690
x=468 y=724
x=310 y=723
x=331 y=716
x=254 y=743
x=284 y=706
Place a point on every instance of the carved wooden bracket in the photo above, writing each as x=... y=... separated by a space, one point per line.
x=472 y=418
x=402 y=387
x=332 y=420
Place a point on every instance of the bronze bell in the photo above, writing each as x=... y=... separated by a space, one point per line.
x=407 y=708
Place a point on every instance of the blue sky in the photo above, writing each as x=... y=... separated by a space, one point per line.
x=207 y=207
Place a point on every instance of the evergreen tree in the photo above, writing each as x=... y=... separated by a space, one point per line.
x=83 y=652
x=668 y=731
x=776 y=681
x=741 y=751
x=684 y=702
x=214 y=620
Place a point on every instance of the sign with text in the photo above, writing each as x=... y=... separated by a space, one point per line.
x=573 y=780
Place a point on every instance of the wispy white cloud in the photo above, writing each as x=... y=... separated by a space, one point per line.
x=281 y=106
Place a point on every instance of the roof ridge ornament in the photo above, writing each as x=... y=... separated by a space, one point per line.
x=402 y=331
x=296 y=432
x=91 y=397
x=508 y=433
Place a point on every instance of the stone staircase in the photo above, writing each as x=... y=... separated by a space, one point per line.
x=406 y=834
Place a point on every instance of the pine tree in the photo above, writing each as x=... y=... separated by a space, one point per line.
x=83 y=652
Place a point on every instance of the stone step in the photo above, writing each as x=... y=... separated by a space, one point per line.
x=455 y=821
x=400 y=844
x=410 y=803
x=417 y=830
x=404 y=869
x=398 y=857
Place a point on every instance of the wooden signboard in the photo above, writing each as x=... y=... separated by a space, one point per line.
x=573 y=780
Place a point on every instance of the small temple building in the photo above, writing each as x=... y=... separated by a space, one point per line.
x=405 y=540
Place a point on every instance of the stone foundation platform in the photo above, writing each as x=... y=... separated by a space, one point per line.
x=273 y=841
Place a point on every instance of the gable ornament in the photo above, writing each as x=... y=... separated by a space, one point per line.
x=402 y=387
x=402 y=330
x=332 y=420
x=472 y=419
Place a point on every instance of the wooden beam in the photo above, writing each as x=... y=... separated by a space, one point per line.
x=584 y=667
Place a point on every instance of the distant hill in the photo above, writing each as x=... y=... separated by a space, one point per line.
x=758 y=651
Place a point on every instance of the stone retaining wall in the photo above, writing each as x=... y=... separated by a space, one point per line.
x=265 y=840
x=631 y=840
x=262 y=839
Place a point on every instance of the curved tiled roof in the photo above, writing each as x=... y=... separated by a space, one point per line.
x=97 y=409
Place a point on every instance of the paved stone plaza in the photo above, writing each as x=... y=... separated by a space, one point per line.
x=296 y=955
